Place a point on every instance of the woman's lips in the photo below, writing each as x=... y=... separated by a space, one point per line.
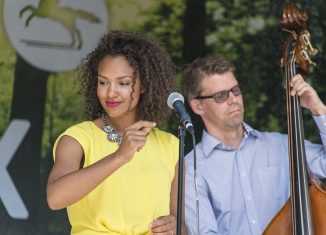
x=112 y=104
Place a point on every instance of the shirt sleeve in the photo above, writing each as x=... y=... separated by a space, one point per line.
x=75 y=132
x=207 y=220
x=316 y=153
x=321 y=124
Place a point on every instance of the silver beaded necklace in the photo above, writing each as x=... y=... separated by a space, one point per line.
x=112 y=135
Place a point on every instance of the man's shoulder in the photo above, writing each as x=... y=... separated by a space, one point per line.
x=271 y=134
x=263 y=133
x=199 y=153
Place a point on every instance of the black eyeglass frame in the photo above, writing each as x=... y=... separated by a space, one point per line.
x=227 y=92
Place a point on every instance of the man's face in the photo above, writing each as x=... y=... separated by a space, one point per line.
x=224 y=116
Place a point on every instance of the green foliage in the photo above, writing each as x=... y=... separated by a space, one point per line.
x=164 y=20
x=6 y=81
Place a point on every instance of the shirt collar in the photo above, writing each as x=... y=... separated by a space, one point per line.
x=208 y=142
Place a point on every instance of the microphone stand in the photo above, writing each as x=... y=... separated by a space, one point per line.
x=182 y=134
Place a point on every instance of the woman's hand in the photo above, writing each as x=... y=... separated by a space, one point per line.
x=134 y=138
x=164 y=225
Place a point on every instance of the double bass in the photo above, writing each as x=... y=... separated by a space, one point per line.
x=305 y=211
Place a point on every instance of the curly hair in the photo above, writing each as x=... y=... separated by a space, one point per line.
x=148 y=59
x=194 y=72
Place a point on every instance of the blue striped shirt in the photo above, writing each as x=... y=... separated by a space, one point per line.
x=241 y=189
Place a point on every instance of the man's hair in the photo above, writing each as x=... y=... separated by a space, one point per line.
x=150 y=62
x=200 y=68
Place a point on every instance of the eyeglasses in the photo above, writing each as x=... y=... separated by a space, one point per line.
x=222 y=96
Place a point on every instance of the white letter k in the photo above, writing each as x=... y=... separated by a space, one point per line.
x=9 y=144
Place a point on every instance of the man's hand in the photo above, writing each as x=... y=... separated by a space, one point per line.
x=309 y=98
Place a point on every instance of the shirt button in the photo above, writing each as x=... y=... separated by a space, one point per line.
x=253 y=221
x=243 y=174
x=248 y=198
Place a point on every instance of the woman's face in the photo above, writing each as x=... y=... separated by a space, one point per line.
x=115 y=87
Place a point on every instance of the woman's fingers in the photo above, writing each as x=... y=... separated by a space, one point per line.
x=164 y=225
x=134 y=138
x=146 y=126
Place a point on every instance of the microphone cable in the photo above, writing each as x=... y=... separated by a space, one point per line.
x=196 y=182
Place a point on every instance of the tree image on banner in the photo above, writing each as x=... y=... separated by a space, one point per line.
x=54 y=35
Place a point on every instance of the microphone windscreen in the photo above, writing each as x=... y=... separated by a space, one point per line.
x=174 y=96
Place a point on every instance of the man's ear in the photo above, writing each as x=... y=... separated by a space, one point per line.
x=196 y=107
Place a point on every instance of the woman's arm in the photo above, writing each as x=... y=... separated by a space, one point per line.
x=68 y=183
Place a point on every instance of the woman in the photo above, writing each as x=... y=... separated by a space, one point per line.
x=117 y=173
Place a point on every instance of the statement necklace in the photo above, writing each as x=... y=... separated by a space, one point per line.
x=112 y=135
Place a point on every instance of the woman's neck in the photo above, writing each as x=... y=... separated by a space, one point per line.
x=122 y=122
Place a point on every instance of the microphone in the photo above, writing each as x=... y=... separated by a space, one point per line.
x=176 y=101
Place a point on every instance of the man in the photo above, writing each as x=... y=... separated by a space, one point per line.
x=242 y=174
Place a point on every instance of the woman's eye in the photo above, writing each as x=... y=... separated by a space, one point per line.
x=124 y=83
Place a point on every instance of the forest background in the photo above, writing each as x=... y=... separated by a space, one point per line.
x=246 y=32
